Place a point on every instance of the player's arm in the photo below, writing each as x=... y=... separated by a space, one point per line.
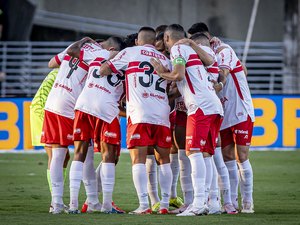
x=116 y=65
x=206 y=58
x=245 y=69
x=173 y=92
x=177 y=74
x=53 y=63
x=105 y=69
x=122 y=108
x=74 y=49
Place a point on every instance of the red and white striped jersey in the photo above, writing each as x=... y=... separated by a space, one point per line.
x=147 y=100
x=196 y=89
x=101 y=95
x=70 y=80
x=213 y=69
x=235 y=96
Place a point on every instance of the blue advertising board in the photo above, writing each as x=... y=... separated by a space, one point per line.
x=277 y=124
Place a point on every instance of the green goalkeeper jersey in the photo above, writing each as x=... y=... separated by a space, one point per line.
x=40 y=98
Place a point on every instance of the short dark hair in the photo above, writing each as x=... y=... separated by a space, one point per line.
x=177 y=31
x=160 y=36
x=130 y=39
x=146 y=35
x=161 y=28
x=199 y=35
x=117 y=42
x=198 y=27
x=146 y=29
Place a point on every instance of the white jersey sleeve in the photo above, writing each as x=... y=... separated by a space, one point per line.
x=178 y=52
x=212 y=69
x=90 y=51
x=120 y=61
x=60 y=56
x=226 y=59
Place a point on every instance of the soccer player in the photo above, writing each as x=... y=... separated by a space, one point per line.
x=144 y=89
x=200 y=41
x=59 y=114
x=236 y=131
x=96 y=120
x=204 y=110
x=36 y=121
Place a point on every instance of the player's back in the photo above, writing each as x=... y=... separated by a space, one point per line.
x=235 y=96
x=196 y=88
x=147 y=100
x=70 y=81
x=101 y=94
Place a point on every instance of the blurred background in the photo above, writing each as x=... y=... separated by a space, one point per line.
x=265 y=34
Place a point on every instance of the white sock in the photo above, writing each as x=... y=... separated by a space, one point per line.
x=234 y=181
x=108 y=182
x=76 y=174
x=246 y=175
x=198 y=179
x=89 y=177
x=214 y=187
x=185 y=177
x=139 y=176
x=224 y=176
x=152 y=184
x=98 y=178
x=175 y=171
x=208 y=177
x=165 y=182
x=56 y=174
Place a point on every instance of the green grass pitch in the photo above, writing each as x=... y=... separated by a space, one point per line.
x=24 y=194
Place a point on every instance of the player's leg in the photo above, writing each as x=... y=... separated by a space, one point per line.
x=138 y=141
x=164 y=176
x=90 y=182
x=152 y=185
x=56 y=175
x=184 y=165
x=224 y=179
x=56 y=129
x=138 y=156
x=82 y=136
x=175 y=200
x=110 y=142
x=228 y=152
x=211 y=175
x=243 y=140
x=107 y=175
x=214 y=204
x=196 y=136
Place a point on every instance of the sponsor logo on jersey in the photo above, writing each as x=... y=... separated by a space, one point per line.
x=246 y=136
x=145 y=95
x=91 y=85
x=77 y=131
x=241 y=131
x=135 y=136
x=157 y=96
x=202 y=142
x=153 y=54
x=110 y=134
x=69 y=136
x=168 y=139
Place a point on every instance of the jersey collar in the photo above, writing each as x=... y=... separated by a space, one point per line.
x=150 y=46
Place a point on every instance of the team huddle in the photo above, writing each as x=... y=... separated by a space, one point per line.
x=189 y=117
